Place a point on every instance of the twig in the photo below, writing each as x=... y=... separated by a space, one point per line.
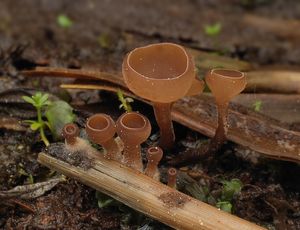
x=148 y=196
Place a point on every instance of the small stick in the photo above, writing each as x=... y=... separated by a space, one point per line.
x=149 y=196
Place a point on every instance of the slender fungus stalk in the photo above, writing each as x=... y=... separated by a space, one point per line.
x=172 y=176
x=133 y=128
x=161 y=73
x=101 y=129
x=224 y=84
x=154 y=155
x=70 y=132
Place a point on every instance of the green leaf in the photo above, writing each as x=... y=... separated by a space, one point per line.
x=58 y=114
x=44 y=99
x=213 y=30
x=29 y=100
x=36 y=125
x=257 y=105
x=104 y=200
x=64 y=21
x=225 y=206
x=29 y=121
x=230 y=188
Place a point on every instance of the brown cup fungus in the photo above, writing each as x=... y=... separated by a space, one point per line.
x=224 y=85
x=154 y=155
x=70 y=132
x=172 y=177
x=101 y=129
x=133 y=128
x=161 y=73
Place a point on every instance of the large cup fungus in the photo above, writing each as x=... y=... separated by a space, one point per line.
x=101 y=130
x=161 y=73
x=133 y=128
x=224 y=85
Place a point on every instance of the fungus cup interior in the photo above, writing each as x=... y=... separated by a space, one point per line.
x=225 y=84
x=160 y=72
x=154 y=153
x=133 y=127
x=70 y=130
x=100 y=128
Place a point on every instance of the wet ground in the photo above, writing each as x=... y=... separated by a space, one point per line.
x=101 y=33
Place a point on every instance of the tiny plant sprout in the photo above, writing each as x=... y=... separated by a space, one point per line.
x=257 y=105
x=224 y=85
x=213 y=30
x=70 y=132
x=64 y=21
x=161 y=73
x=154 y=155
x=133 y=128
x=101 y=129
x=172 y=177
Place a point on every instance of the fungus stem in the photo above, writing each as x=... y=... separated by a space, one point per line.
x=162 y=113
x=221 y=131
x=132 y=156
x=172 y=177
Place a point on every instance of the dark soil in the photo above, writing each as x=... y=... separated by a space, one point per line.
x=30 y=36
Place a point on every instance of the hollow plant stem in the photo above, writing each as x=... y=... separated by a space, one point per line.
x=132 y=156
x=162 y=113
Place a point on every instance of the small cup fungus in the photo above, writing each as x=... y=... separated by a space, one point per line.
x=154 y=155
x=133 y=128
x=70 y=132
x=172 y=177
x=224 y=85
x=101 y=130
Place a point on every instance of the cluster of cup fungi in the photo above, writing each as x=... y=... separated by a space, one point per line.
x=161 y=73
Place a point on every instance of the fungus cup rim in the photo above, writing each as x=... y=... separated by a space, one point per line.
x=95 y=116
x=188 y=59
x=70 y=129
x=145 y=121
x=231 y=77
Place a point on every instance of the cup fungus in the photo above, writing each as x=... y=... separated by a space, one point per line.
x=154 y=155
x=161 y=73
x=224 y=85
x=101 y=130
x=172 y=177
x=70 y=132
x=133 y=128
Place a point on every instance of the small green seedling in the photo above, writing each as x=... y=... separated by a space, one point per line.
x=58 y=113
x=64 y=21
x=257 y=105
x=229 y=190
x=39 y=101
x=104 y=41
x=125 y=101
x=213 y=30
